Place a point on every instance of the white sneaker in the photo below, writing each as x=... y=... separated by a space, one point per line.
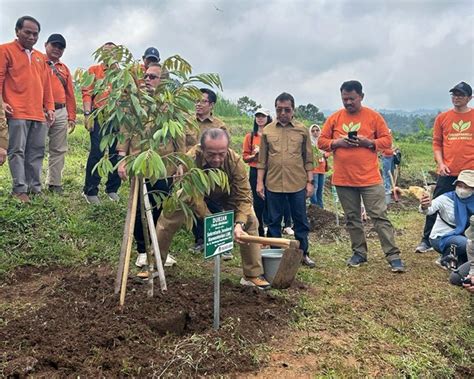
x=142 y=260
x=288 y=231
x=170 y=261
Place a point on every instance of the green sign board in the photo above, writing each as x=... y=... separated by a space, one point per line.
x=218 y=234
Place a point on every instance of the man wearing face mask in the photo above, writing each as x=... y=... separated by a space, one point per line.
x=214 y=152
x=453 y=147
x=452 y=211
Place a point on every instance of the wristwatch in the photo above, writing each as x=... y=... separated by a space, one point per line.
x=242 y=224
x=87 y=113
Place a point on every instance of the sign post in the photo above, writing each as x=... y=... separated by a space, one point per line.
x=218 y=238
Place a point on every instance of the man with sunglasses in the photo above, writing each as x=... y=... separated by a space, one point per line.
x=453 y=147
x=286 y=160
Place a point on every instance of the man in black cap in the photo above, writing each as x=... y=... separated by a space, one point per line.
x=453 y=146
x=65 y=110
x=151 y=55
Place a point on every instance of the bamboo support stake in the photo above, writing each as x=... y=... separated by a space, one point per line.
x=154 y=241
x=146 y=237
x=126 y=234
x=128 y=250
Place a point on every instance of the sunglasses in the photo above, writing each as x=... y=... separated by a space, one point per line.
x=150 y=76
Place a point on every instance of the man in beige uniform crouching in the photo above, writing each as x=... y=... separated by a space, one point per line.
x=214 y=152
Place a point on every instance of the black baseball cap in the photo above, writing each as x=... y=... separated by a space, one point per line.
x=152 y=52
x=462 y=87
x=57 y=38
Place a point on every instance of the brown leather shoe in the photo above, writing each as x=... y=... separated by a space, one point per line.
x=23 y=197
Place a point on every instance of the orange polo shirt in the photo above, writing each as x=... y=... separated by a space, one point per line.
x=61 y=94
x=25 y=82
x=98 y=71
x=247 y=149
x=453 y=135
x=356 y=166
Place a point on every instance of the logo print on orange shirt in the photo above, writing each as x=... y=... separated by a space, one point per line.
x=351 y=127
x=461 y=126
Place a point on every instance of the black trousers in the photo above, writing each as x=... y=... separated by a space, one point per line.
x=198 y=227
x=162 y=186
x=258 y=202
x=443 y=184
x=91 y=185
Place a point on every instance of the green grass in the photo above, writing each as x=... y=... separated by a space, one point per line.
x=348 y=323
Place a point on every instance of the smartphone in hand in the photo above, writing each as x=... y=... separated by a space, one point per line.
x=352 y=135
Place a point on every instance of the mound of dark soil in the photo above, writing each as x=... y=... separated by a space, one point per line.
x=61 y=322
x=323 y=223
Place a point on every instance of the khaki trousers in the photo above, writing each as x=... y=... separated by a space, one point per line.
x=57 y=134
x=374 y=201
x=167 y=226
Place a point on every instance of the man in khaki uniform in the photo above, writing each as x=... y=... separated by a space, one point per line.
x=205 y=120
x=3 y=135
x=204 y=117
x=286 y=158
x=214 y=152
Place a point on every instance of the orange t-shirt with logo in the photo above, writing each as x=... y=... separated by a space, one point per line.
x=356 y=166
x=453 y=135
x=25 y=83
x=87 y=92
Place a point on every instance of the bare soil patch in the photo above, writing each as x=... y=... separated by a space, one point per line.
x=66 y=322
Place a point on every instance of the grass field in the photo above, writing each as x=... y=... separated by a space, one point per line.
x=346 y=322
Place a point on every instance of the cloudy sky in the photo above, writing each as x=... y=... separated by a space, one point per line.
x=407 y=54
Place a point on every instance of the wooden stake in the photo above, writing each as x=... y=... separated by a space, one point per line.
x=146 y=237
x=154 y=241
x=128 y=248
x=128 y=226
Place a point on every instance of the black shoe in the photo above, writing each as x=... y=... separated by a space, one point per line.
x=397 y=265
x=356 y=260
x=307 y=261
x=56 y=189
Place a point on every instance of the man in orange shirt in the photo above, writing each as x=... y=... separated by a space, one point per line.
x=453 y=146
x=90 y=102
x=354 y=134
x=26 y=90
x=65 y=110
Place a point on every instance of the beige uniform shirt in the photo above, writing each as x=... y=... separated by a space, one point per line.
x=193 y=136
x=286 y=155
x=240 y=197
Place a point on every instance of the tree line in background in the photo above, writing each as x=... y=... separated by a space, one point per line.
x=405 y=125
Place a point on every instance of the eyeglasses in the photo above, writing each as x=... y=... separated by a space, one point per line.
x=150 y=76
x=458 y=95
x=284 y=110
x=202 y=101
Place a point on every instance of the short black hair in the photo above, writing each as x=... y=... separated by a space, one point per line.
x=213 y=133
x=284 y=96
x=352 y=85
x=21 y=21
x=211 y=95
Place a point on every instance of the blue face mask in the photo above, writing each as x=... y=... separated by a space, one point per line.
x=464 y=193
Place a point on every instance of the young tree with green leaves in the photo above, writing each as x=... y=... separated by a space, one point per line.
x=151 y=120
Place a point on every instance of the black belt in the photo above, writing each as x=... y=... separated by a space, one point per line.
x=59 y=105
